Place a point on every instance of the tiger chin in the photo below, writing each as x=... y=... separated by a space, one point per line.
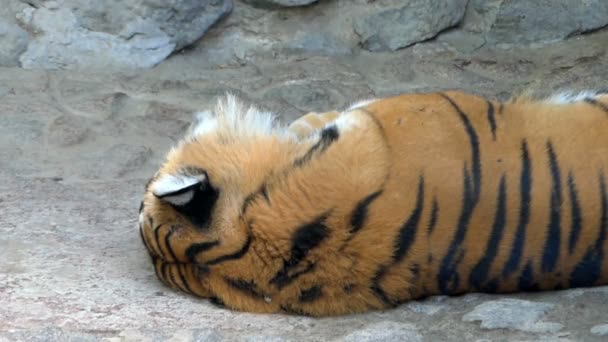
x=388 y=201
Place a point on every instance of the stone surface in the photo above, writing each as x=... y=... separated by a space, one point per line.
x=600 y=330
x=14 y=41
x=114 y=34
x=384 y=332
x=286 y=3
x=117 y=34
x=513 y=314
x=402 y=25
x=523 y=21
x=77 y=147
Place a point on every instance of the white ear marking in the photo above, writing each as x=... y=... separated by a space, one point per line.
x=177 y=187
x=360 y=104
x=566 y=97
x=181 y=198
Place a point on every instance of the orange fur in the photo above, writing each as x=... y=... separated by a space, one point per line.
x=405 y=197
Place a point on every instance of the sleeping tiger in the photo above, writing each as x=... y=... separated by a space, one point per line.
x=391 y=200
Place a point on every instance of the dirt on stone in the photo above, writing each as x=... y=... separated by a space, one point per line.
x=76 y=149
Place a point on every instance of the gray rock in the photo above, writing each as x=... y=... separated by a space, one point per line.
x=480 y=15
x=384 y=332
x=600 y=330
x=523 y=21
x=183 y=21
x=14 y=41
x=402 y=25
x=513 y=314
x=75 y=34
x=285 y=3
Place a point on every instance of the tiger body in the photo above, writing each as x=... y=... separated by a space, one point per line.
x=393 y=200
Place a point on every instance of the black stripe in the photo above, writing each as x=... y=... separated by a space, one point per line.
x=406 y=237
x=448 y=278
x=234 y=256
x=196 y=248
x=525 y=192
x=157 y=239
x=588 y=270
x=141 y=206
x=248 y=201
x=158 y=265
x=359 y=215
x=474 y=141
x=247 y=287
x=407 y=233
x=378 y=290
x=552 y=244
x=218 y=302
x=328 y=136
x=597 y=104
x=289 y=309
x=164 y=274
x=479 y=274
x=262 y=191
x=168 y=245
x=183 y=288
x=183 y=278
x=434 y=216
x=577 y=219
x=304 y=240
x=526 y=279
x=311 y=294
x=492 y=119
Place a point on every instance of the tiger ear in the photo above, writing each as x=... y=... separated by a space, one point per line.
x=190 y=193
x=179 y=190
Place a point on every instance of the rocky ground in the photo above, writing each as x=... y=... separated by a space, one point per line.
x=77 y=147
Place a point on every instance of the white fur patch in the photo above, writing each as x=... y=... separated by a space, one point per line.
x=203 y=122
x=360 y=104
x=346 y=122
x=234 y=120
x=169 y=184
x=571 y=97
x=180 y=199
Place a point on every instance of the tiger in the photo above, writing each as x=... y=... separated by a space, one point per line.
x=391 y=200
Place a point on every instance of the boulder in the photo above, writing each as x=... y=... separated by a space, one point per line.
x=524 y=21
x=114 y=33
x=14 y=39
x=284 y=3
x=389 y=28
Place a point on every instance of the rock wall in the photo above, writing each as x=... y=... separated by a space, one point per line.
x=141 y=33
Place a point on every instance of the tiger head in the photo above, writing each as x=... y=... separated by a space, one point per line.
x=195 y=200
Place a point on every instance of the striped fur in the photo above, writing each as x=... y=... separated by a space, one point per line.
x=398 y=199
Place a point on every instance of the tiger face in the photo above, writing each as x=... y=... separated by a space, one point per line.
x=192 y=218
